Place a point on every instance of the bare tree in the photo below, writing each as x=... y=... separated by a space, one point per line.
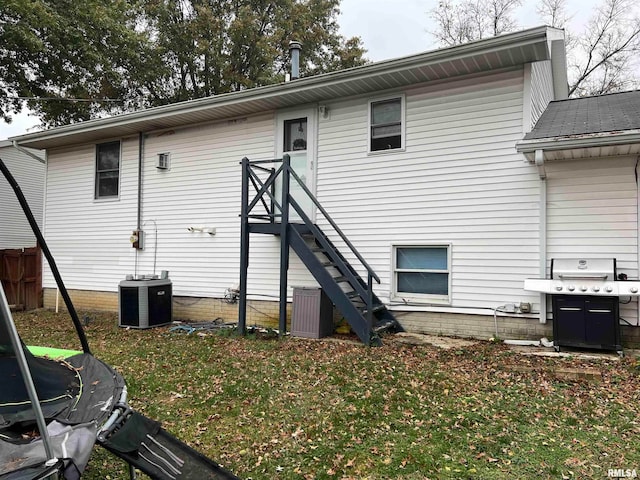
x=469 y=20
x=603 y=59
x=553 y=12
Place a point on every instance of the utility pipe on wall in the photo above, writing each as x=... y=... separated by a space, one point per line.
x=542 y=215
x=139 y=205
x=140 y=162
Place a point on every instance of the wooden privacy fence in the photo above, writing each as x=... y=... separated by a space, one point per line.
x=21 y=276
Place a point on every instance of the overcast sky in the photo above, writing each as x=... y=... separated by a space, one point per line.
x=388 y=28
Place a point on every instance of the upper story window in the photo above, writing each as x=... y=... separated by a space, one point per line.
x=422 y=273
x=386 y=124
x=107 y=169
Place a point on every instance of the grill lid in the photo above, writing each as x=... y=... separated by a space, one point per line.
x=583 y=268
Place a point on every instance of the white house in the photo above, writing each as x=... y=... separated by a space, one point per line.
x=414 y=158
x=28 y=168
x=20 y=265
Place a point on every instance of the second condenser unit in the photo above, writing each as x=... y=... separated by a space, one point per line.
x=312 y=313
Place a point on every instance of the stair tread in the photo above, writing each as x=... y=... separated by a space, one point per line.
x=340 y=279
x=376 y=308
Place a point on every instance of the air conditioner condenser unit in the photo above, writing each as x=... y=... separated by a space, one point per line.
x=145 y=303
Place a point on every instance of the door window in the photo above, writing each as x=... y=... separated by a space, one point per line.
x=295 y=135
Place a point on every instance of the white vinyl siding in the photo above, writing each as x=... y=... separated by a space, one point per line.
x=202 y=189
x=29 y=173
x=88 y=239
x=592 y=213
x=541 y=89
x=459 y=181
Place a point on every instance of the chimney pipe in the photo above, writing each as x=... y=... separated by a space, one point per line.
x=294 y=51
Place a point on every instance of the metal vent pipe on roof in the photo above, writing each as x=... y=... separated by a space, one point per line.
x=294 y=51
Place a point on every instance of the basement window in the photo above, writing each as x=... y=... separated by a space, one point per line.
x=107 y=170
x=422 y=273
x=386 y=124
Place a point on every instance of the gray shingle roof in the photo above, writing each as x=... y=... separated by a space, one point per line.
x=614 y=112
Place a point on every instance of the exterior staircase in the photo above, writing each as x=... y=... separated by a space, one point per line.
x=352 y=294
x=348 y=291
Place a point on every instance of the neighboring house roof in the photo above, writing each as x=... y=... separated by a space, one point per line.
x=603 y=125
x=506 y=51
x=33 y=153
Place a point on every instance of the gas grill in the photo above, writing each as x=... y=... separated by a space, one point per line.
x=580 y=276
x=585 y=303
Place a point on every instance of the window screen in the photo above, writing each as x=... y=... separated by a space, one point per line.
x=386 y=124
x=107 y=169
x=422 y=270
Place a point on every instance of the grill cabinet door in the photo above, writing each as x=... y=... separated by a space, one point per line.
x=586 y=321
x=569 y=320
x=601 y=319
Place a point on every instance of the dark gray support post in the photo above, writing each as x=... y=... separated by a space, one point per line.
x=370 y=302
x=272 y=189
x=284 y=242
x=244 y=247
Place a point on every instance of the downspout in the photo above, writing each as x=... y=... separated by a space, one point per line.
x=542 y=215
x=140 y=158
x=139 y=206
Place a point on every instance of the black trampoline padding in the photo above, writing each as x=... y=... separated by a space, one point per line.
x=161 y=455
x=101 y=389
x=57 y=384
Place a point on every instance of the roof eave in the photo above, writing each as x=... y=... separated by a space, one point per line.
x=479 y=48
x=595 y=140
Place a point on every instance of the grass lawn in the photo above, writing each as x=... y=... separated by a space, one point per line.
x=301 y=409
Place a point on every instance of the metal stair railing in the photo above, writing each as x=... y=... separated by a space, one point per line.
x=281 y=209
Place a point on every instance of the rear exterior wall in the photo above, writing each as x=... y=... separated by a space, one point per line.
x=458 y=181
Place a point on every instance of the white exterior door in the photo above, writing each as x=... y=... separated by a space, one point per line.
x=296 y=136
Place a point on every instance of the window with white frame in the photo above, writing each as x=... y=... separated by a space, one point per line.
x=107 y=170
x=386 y=124
x=422 y=272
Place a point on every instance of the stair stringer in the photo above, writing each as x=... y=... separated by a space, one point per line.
x=385 y=319
x=356 y=320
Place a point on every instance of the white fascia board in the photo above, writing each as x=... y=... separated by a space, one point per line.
x=583 y=141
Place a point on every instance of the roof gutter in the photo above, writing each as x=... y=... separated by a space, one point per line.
x=481 y=47
x=585 y=141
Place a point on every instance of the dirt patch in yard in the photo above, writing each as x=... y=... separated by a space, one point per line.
x=445 y=343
